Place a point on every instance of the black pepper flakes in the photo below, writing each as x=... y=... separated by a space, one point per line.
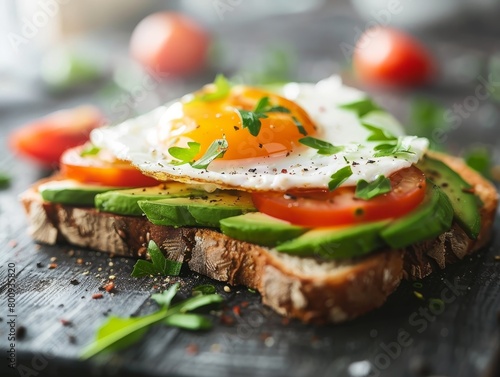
x=74 y=282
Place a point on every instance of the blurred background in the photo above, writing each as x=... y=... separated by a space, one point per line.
x=433 y=63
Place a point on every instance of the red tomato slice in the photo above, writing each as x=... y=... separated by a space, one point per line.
x=45 y=140
x=385 y=56
x=100 y=171
x=318 y=208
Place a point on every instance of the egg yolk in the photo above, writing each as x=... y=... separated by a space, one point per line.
x=206 y=121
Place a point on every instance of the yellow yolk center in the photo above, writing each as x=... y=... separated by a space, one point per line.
x=207 y=121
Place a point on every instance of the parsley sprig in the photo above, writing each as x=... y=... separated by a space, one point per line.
x=339 y=177
x=378 y=134
x=187 y=155
x=393 y=148
x=222 y=89
x=323 y=147
x=368 y=190
x=361 y=107
x=159 y=265
x=215 y=150
x=90 y=150
x=251 y=119
x=118 y=333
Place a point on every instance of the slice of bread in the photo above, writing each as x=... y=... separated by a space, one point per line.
x=306 y=288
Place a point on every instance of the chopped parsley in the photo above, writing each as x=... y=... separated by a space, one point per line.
x=119 y=333
x=368 y=190
x=323 y=147
x=378 y=134
x=159 y=265
x=393 y=148
x=339 y=177
x=90 y=150
x=222 y=89
x=361 y=107
x=185 y=155
x=251 y=119
x=215 y=150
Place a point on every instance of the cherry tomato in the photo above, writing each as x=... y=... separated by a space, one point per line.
x=44 y=140
x=318 y=208
x=102 y=169
x=390 y=57
x=170 y=43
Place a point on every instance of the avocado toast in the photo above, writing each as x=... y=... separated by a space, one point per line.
x=332 y=210
x=305 y=287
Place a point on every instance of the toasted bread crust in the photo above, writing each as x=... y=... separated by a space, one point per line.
x=304 y=288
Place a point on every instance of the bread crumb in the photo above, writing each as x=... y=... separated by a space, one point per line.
x=52 y=266
x=112 y=277
x=227 y=289
x=53 y=259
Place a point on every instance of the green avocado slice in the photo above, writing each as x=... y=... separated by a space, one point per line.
x=125 y=202
x=206 y=210
x=71 y=192
x=465 y=204
x=430 y=219
x=261 y=229
x=337 y=243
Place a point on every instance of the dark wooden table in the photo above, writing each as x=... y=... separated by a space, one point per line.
x=56 y=317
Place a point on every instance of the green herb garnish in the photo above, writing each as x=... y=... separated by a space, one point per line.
x=300 y=126
x=215 y=150
x=4 y=180
x=378 y=134
x=222 y=89
x=251 y=119
x=90 y=150
x=323 y=147
x=339 y=177
x=185 y=155
x=159 y=265
x=204 y=289
x=368 y=190
x=361 y=107
x=118 y=333
x=392 y=149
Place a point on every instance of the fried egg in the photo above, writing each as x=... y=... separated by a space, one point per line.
x=275 y=158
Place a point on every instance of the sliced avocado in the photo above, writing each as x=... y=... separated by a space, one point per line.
x=431 y=218
x=124 y=202
x=465 y=203
x=71 y=192
x=206 y=210
x=260 y=229
x=337 y=243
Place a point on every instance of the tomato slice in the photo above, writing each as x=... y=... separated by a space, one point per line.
x=102 y=170
x=323 y=208
x=44 y=140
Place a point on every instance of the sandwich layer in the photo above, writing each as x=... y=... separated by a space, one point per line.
x=306 y=288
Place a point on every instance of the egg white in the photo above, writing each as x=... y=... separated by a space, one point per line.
x=137 y=141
